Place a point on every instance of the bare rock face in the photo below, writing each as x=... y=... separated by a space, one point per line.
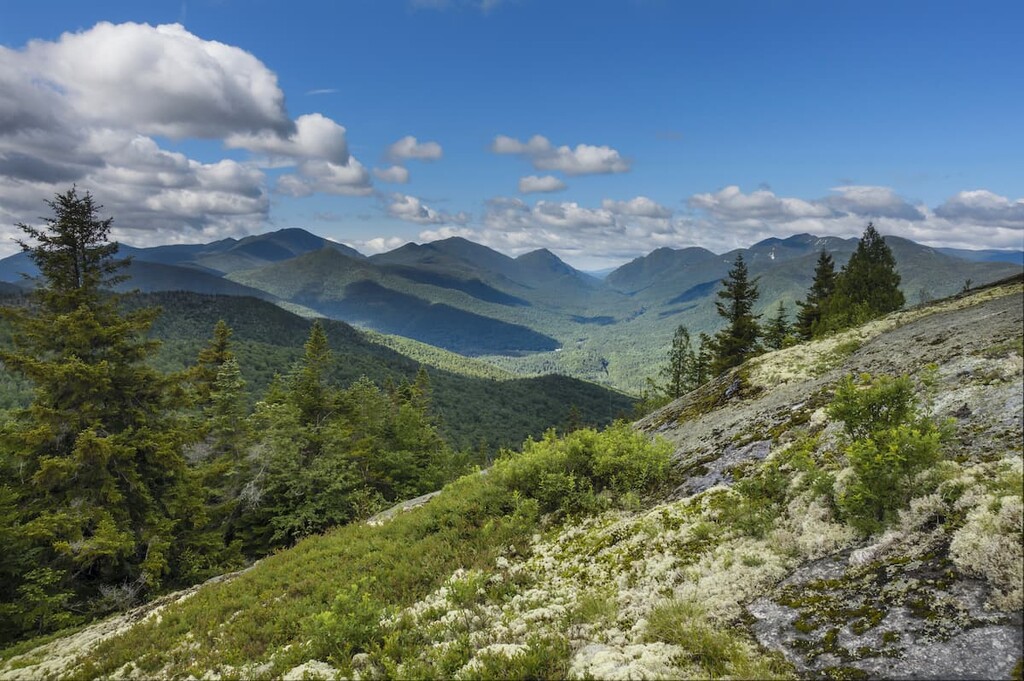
x=887 y=619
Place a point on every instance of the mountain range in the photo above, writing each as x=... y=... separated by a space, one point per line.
x=530 y=314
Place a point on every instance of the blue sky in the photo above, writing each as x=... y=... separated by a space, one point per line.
x=667 y=123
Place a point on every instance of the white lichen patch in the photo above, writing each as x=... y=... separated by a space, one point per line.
x=989 y=546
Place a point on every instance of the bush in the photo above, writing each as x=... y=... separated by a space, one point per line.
x=889 y=444
x=585 y=469
x=873 y=405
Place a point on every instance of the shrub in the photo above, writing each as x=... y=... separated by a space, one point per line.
x=872 y=405
x=889 y=444
x=352 y=624
x=579 y=472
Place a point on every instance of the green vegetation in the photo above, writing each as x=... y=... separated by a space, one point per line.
x=867 y=287
x=713 y=651
x=808 y=318
x=888 y=445
x=334 y=608
x=129 y=472
x=99 y=502
x=738 y=340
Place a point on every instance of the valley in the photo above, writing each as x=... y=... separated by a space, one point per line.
x=529 y=315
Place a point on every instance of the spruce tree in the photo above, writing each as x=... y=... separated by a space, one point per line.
x=210 y=360
x=309 y=388
x=98 y=452
x=811 y=310
x=777 y=330
x=867 y=287
x=738 y=340
x=679 y=373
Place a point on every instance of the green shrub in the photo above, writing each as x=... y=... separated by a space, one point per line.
x=889 y=443
x=352 y=624
x=872 y=405
x=584 y=469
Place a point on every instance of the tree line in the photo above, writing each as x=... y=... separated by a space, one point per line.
x=120 y=480
x=866 y=287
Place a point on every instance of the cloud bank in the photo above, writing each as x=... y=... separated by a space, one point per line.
x=87 y=109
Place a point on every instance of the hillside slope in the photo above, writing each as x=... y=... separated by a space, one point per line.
x=478 y=407
x=751 y=564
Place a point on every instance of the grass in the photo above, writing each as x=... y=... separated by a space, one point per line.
x=711 y=652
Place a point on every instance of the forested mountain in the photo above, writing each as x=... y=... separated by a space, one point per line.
x=532 y=314
x=475 y=410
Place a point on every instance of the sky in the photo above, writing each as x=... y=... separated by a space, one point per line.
x=600 y=130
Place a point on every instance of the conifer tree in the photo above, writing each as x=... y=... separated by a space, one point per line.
x=309 y=388
x=210 y=360
x=680 y=369
x=98 y=454
x=811 y=310
x=867 y=287
x=738 y=340
x=777 y=330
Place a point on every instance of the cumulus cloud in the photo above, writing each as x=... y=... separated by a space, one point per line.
x=392 y=174
x=584 y=159
x=532 y=184
x=410 y=148
x=732 y=204
x=159 y=80
x=978 y=219
x=378 y=244
x=982 y=207
x=324 y=177
x=447 y=233
x=86 y=108
x=412 y=209
x=315 y=137
x=640 y=206
x=873 y=202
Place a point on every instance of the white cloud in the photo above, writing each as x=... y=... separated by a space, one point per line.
x=350 y=179
x=410 y=148
x=315 y=137
x=984 y=208
x=641 y=206
x=873 y=202
x=392 y=174
x=412 y=209
x=447 y=233
x=731 y=204
x=159 y=80
x=86 y=108
x=532 y=184
x=585 y=159
x=378 y=244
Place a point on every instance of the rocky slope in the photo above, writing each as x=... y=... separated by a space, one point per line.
x=750 y=567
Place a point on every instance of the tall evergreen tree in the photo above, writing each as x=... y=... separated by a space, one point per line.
x=738 y=340
x=211 y=358
x=811 y=310
x=867 y=287
x=680 y=369
x=777 y=330
x=309 y=388
x=98 y=453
